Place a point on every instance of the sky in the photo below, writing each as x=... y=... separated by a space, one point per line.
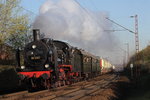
x=120 y=12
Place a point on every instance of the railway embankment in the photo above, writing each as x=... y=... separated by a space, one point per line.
x=139 y=90
x=9 y=80
x=85 y=90
x=117 y=90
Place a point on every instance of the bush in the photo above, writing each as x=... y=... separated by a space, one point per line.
x=8 y=78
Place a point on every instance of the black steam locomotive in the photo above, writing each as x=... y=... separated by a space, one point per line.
x=51 y=63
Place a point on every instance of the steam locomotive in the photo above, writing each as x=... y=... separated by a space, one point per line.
x=51 y=63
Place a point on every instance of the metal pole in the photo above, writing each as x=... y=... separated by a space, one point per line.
x=124 y=59
x=137 y=70
x=127 y=52
x=136 y=33
x=132 y=73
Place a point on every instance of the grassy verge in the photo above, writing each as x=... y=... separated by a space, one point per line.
x=142 y=92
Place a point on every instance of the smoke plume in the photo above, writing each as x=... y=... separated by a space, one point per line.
x=66 y=20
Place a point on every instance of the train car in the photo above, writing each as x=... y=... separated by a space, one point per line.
x=90 y=66
x=106 y=66
x=98 y=72
x=77 y=62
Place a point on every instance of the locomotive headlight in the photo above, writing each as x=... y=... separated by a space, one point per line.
x=33 y=46
x=47 y=65
x=22 y=67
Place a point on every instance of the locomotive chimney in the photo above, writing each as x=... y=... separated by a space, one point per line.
x=36 y=34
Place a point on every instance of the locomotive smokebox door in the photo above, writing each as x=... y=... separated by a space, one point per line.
x=36 y=34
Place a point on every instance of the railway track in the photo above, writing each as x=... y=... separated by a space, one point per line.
x=83 y=94
x=100 y=89
x=13 y=96
x=76 y=91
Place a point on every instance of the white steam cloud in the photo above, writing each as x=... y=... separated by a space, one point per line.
x=66 y=20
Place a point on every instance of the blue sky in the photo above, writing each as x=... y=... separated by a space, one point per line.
x=119 y=11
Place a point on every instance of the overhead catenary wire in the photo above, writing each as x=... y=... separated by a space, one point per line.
x=27 y=10
x=87 y=12
x=124 y=28
x=120 y=25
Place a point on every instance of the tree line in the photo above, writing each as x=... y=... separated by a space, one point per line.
x=14 y=26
